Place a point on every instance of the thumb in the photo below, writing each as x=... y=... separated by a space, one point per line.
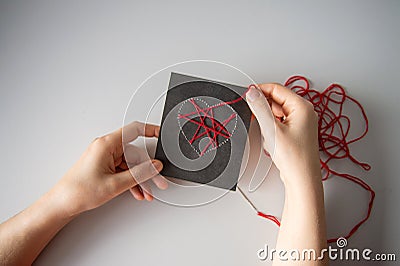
x=262 y=111
x=136 y=175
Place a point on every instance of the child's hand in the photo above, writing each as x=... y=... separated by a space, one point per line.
x=102 y=172
x=296 y=137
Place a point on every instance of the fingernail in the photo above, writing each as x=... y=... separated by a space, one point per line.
x=157 y=164
x=253 y=94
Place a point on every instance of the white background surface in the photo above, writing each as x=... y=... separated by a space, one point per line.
x=68 y=69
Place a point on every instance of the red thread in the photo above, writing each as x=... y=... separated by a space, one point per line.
x=270 y=217
x=333 y=134
x=216 y=128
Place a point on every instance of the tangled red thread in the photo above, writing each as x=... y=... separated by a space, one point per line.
x=333 y=135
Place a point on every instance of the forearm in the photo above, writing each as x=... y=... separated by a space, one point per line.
x=24 y=236
x=303 y=221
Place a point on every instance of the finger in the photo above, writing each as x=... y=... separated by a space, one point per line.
x=160 y=182
x=135 y=175
x=147 y=191
x=135 y=129
x=277 y=109
x=135 y=155
x=123 y=165
x=132 y=131
x=112 y=143
x=137 y=192
x=283 y=96
x=262 y=111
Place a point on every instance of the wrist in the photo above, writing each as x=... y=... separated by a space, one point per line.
x=308 y=186
x=303 y=170
x=64 y=202
x=304 y=190
x=304 y=180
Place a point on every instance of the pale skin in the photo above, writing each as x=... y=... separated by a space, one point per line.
x=297 y=158
x=102 y=173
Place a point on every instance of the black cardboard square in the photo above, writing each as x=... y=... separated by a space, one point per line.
x=215 y=157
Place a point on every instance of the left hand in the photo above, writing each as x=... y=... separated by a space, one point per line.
x=102 y=172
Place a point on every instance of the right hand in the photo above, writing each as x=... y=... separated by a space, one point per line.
x=295 y=150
